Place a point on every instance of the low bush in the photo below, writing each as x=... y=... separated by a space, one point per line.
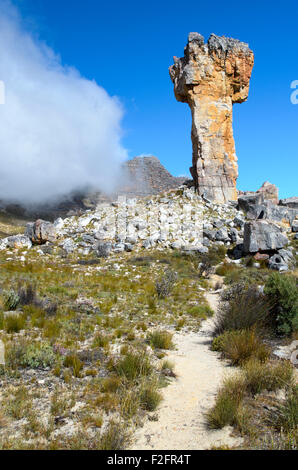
x=165 y=284
x=246 y=309
x=283 y=293
x=38 y=356
x=11 y=300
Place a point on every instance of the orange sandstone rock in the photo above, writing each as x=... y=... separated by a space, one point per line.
x=211 y=78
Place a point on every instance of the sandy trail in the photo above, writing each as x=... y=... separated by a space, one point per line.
x=181 y=424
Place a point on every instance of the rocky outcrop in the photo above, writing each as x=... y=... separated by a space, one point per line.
x=269 y=192
x=211 y=78
x=146 y=176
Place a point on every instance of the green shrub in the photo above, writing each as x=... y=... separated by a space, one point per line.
x=246 y=309
x=160 y=339
x=283 y=293
x=38 y=356
x=11 y=300
x=241 y=345
x=165 y=284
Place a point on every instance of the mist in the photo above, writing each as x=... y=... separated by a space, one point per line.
x=59 y=131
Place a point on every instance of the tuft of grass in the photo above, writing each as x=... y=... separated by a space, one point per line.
x=226 y=268
x=287 y=417
x=241 y=345
x=150 y=397
x=228 y=400
x=101 y=341
x=115 y=437
x=110 y=384
x=129 y=402
x=160 y=339
x=19 y=404
x=134 y=365
x=14 y=322
x=270 y=376
x=200 y=311
x=72 y=361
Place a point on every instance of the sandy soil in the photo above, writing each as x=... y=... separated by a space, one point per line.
x=181 y=421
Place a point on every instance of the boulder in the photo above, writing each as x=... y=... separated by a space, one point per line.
x=249 y=203
x=222 y=235
x=103 y=249
x=41 y=232
x=234 y=235
x=295 y=226
x=261 y=256
x=68 y=245
x=18 y=241
x=261 y=235
x=238 y=252
x=277 y=263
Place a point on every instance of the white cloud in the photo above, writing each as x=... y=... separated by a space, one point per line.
x=58 y=131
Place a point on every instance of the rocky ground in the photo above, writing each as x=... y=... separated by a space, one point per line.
x=91 y=304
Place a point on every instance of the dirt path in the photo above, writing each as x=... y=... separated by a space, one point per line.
x=181 y=423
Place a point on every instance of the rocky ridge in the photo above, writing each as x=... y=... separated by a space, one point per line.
x=178 y=219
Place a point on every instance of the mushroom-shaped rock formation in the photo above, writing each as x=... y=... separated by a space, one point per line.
x=211 y=78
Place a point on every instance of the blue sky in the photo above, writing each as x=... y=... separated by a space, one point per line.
x=128 y=46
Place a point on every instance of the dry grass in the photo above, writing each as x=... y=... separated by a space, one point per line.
x=241 y=345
